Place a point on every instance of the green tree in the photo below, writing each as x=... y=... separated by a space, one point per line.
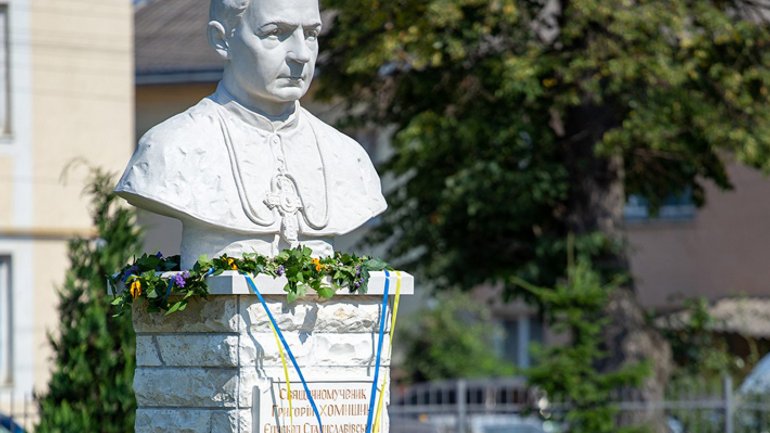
x=91 y=386
x=517 y=123
x=450 y=339
x=567 y=373
x=520 y=121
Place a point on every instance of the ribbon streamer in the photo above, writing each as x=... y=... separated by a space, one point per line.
x=285 y=373
x=310 y=398
x=379 y=353
x=396 y=300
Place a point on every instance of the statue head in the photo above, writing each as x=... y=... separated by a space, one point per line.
x=270 y=48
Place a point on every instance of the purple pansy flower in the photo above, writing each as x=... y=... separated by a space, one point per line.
x=130 y=271
x=280 y=271
x=180 y=279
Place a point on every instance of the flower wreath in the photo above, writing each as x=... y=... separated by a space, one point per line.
x=161 y=282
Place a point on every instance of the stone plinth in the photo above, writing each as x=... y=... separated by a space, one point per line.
x=216 y=367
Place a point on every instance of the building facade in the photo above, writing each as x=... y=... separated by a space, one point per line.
x=66 y=103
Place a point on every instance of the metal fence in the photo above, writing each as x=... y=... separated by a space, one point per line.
x=21 y=409
x=510 y=406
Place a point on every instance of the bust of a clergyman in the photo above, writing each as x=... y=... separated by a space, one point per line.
x=247 y=169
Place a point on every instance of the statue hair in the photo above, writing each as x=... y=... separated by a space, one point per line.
x=228 y=13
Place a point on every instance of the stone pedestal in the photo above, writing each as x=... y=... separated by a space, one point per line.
x=216 y=367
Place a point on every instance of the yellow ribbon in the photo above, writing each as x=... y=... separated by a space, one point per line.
x=376 y=426
x=285 y=373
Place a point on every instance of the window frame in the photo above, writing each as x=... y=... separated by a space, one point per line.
x=6 y=321
x=6 y=123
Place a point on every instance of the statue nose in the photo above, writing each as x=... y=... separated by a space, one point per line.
x=299 y=51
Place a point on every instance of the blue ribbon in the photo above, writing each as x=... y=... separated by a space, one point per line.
x=288 y=350
x=379 y=353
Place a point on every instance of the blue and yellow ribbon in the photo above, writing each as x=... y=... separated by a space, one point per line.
x=285 y=373
x=369 y=418
x=381 y=399
x=278 y=332
x=372 y=422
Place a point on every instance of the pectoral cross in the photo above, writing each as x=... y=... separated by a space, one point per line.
x=284 y=197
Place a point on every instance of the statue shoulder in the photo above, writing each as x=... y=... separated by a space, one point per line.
x=168 y=160
x=339 y=139
x=185 y=129
x=358 y=194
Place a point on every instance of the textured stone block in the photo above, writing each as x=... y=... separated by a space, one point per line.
x=251 y=380
x=186 y=387
x=317 y=349
x=315 y=373
x=348 y=315
x=147 y=353
x=233 y=421
x=193 y=350
x=215 y=314
x=173 y=421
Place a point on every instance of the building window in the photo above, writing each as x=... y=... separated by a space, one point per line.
x=5 y=320
x=676 y=207
x=5 y=81
x=520 y=333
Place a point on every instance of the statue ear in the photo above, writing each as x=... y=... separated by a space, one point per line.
x=218 y=39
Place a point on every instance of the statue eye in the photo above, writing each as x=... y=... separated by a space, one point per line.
x=311 y=33
x=271 y=31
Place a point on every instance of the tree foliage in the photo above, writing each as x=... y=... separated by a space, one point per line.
x=518 y=121
x=567 y=373
x=451 y=338
x=91 y=386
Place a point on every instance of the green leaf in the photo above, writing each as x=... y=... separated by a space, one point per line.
x=376 y=265
x=176 y=307
x=325 y=292
x=291 y=297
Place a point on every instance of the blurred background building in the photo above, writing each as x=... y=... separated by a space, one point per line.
x=66 y=95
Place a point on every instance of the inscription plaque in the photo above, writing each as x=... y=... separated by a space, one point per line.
x=343 y=406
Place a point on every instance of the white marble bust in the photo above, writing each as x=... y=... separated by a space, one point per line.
x=247 y=169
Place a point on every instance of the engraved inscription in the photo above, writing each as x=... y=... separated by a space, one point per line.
x=343 y=406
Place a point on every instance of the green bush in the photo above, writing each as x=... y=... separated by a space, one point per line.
x=90 y=389
x=571 y=373
x=453 y=339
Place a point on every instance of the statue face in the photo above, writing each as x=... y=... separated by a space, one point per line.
x=273 y=53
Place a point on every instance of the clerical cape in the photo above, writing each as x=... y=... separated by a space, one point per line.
x=214 y=164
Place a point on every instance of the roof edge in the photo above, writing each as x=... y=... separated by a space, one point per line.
x=146 y=78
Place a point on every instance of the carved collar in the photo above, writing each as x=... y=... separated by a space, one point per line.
x=261 y=121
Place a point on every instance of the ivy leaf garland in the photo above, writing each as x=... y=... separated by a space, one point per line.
x=161 y=282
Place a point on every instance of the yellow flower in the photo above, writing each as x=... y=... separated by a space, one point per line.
x=549 y=82
x=136 y=289
x=318 y=265
x=231 y=262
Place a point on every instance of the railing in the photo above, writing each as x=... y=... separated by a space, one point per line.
x=21 y=409
x=510 y=406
